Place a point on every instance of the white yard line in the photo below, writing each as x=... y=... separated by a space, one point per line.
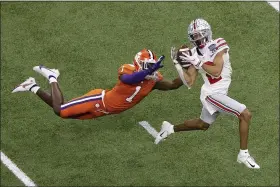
x=16 y=171
x=148 y=128
x=274 y=4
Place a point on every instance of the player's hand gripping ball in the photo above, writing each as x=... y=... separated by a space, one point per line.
x=185 y=49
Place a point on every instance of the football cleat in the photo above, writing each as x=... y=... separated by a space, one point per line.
x=166 y=130
x=26 y=85
x=46 y=72
x=248 y=160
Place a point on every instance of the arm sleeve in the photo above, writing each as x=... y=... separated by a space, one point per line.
x=134 y=78
x=181 y=75
x=220 y=45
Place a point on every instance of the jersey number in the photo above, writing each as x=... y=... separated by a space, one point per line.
x=137 y=89
x=213 y=80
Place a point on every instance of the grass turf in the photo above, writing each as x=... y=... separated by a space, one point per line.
x=87 y=42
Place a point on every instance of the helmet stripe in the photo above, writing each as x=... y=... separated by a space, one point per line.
x=194 y=25
x=151 y=54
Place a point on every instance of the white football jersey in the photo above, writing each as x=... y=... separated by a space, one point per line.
x=214 y=85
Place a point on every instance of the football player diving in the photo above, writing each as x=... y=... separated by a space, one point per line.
x=135 y=82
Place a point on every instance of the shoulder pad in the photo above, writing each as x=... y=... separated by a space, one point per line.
x=126 y=69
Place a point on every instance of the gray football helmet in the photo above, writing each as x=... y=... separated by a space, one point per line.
x=199 y=32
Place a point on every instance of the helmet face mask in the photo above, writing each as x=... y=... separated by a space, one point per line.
x=148 y=64
x=199 y=32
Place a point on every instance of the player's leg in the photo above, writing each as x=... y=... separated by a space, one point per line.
x=244 y=121
x=56 y=99
x=45 y=96
x=202 y=123
x=31 y=85
x=189 y=125
x=87 y=106
x=228 y=105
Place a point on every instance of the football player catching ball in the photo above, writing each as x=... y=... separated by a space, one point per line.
x=210 y=57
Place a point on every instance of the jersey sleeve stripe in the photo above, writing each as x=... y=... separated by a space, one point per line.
x=219 y=46
x=209 y=63
x=220 y=40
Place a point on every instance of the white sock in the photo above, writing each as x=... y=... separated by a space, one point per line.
x=244 y=152
x=172 y=128
x=52 y=79
x=34 y=88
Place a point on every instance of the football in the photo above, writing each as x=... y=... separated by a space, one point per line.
x=185 y=49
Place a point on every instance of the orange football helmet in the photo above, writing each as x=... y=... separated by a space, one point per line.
x=144 y=59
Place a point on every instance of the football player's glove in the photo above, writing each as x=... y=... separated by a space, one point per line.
x=174 y=53
x=157 y=65
x=193 y=59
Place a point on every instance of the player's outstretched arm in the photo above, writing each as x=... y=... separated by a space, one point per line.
x=188 y=76
x=165 y=85
x=185 y=75
x=137 y=77
x=192 y=73
x=134 y=78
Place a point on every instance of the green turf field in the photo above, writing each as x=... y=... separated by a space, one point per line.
x=87 y=42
